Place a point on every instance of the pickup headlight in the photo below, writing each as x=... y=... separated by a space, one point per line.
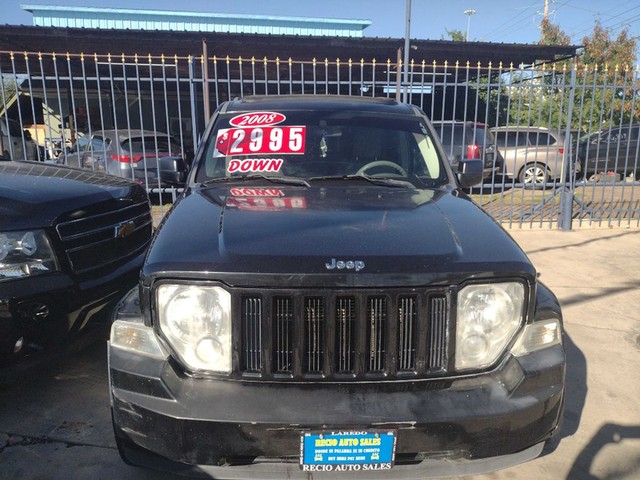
x=196 y=321
x=488 y=316
x=25 y=253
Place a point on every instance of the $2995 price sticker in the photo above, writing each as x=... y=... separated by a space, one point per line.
x=286 y=140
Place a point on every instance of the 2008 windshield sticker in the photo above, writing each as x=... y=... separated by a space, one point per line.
x=286 y=140
x=257 y=119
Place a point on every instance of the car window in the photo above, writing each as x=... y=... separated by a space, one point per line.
x=512 y=139
x=613 y=136
x=481 y=135
x=541 y=139
x=451 y=135
x=319 y=144
x=80 y=144
x=150 y=143
x=98 y=143
x=501 y=138
x=623 y=134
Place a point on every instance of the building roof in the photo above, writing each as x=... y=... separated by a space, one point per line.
x=137 y=19
x=89 y=41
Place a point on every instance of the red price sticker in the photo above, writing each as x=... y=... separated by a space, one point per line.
x=262 y=140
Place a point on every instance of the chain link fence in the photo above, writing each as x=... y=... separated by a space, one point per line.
x=563 y=140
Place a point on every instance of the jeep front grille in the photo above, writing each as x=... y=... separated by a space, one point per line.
x=105 y=239
x=356 y=334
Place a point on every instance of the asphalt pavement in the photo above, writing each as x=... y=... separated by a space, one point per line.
x=55 y=422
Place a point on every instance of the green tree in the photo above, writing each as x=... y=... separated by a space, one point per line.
x=608 y=62
x=550 y=34
x=605 y=84
x=456 y=36
x=601 y=49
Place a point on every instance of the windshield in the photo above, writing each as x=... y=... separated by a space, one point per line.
x=322 y=145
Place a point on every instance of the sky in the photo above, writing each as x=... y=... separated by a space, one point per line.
x=501 y=21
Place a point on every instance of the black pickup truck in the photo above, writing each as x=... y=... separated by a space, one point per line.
x=325 y=301
x=72 y=242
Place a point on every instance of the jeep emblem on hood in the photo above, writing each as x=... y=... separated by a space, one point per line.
x=356 y=265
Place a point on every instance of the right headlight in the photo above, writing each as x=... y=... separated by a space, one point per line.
x=196 y=321
x=25 y=253
x=488 y=316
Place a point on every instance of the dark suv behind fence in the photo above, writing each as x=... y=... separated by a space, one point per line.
x=470 y=140
x=614 y=150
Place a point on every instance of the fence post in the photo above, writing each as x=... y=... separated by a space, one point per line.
x=567 y=194
x=205 y=81
x=194 y=104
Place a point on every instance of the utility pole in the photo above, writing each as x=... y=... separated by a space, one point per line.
x=545 y=18
x=407 y=29
x=545 y=14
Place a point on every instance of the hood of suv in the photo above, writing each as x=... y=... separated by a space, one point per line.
x=351 y=232
x=35 y=195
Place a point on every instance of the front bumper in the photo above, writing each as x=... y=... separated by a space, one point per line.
x=444 y=427
x=45 y=308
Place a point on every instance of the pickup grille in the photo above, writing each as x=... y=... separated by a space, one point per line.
x=105 y=239
x=345 y=335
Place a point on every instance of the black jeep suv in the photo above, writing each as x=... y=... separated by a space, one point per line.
x=324 y=297
x=72 y=242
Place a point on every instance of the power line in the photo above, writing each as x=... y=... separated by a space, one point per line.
x=509 y=21
x=578 y=31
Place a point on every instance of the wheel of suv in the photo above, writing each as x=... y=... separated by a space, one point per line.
x=535 y=174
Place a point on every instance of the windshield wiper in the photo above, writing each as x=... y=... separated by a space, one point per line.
x=286 y=180
x=280 y=180
x=387 y=182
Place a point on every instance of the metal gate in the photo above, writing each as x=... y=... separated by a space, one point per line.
x=565 y=137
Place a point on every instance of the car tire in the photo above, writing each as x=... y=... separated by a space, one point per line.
x=534 y=175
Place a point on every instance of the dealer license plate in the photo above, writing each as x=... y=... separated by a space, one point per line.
x=347 y=451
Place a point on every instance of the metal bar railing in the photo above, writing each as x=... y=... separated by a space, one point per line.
x=596 y=111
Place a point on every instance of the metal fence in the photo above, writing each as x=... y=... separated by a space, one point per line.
x=564 y=137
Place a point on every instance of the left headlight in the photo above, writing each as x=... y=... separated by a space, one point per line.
x=25 y=253
x=196 y=321
x=488 y=316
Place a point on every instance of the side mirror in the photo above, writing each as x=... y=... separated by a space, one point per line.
x=470 y=172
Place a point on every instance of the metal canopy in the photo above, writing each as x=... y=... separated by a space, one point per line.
x=21 y=39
